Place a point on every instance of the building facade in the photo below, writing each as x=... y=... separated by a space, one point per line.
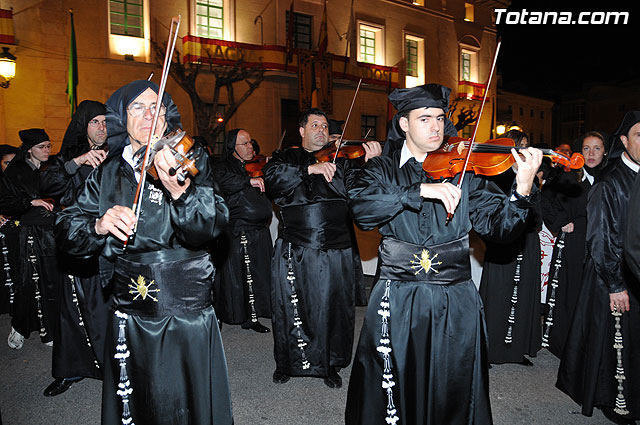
x=532 y=115
x=388 y=43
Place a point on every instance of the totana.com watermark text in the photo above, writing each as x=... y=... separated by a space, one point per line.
x=524 y=17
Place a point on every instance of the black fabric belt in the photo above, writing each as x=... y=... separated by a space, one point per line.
x=163 y=283
x=441 y=264
x=323 y=225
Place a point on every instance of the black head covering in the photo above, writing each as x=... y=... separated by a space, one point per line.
x=404 y=100
x=7 y=149
x=117 y=105
x=230 y=142
x=335 y=126
x=30 y=138
x=75 y=140
x=630 y=119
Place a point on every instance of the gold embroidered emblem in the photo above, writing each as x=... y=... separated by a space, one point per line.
x=424 y=262
x=16 y=223
x=142 y=289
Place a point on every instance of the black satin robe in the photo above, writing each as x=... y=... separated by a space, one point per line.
x=78 y=348
x=632 y=235
x=35 y=307
x=249 y=214
x=589 y=360
x=437 y=332
x=497 y=288
x=177 y=367
x=314 y=220
x=564 y=200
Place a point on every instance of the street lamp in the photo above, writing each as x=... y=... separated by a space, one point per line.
x=7 y=67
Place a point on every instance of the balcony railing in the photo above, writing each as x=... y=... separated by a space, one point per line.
x=471 y=91
x=276 y=58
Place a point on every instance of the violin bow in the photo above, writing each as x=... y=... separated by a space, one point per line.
x=475 y=127
x=171 y=44
x=344 y=127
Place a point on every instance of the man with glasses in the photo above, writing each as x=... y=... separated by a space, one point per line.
x=82 y=320
x=164 y=361
x=242 y=291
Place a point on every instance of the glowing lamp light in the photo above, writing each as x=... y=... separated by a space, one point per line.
x=220 y=119
x=515 y=127
x=7 y=67
x=501 y=129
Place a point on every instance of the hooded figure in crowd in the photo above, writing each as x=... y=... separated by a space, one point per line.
x=164 y=360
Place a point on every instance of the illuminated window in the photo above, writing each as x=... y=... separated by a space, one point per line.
x=209 y=18
x=414 y=54
x=126 y=17
x=367 y=45
x=368 y=127
x=370 y=44
x=301 y=30
x=412 y=57
x=468 y=12
x=466 y=66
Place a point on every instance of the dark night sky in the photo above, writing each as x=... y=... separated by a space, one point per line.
x=547 y=60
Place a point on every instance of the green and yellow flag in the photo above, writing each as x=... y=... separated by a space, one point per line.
x=72 y=79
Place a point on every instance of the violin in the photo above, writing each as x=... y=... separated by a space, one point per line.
x=254 y=167
x=350 y=149
x=490 y=158
x=181 y=146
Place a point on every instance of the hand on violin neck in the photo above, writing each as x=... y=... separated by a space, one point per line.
x=447 y=193
x=372 y=149
x=327 y=169
x=164 y=161
x=257 y=182
x=528 y=162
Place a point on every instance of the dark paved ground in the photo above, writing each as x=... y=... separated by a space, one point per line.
x=519 y=395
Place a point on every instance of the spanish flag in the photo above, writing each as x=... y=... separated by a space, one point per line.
x=6 y=27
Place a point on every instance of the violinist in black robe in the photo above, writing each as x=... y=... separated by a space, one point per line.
x=164 y=360
x=8 y=242
x=510 y=284
x=421 y=358
x=312 y=277
x=564 y=205
x=242 y=292
x=84 y=304
x=599 y=366
x=24 y=197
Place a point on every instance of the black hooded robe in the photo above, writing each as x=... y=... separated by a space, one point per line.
x=312 y=269
x=588 y=366
x=35 y=305
x=564 y=201
x=497 y=289
x=237 y=300
x=164 y=360
x=78 y=349
x=435 y=351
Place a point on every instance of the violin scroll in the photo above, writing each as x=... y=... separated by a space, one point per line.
x=575 y=162
x=181 y=147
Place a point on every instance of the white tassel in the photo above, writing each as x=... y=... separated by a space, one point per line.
x=297 y=321
x=122 y=353
x=511 y=320
x=552 y=296
x=385 y=349
x=247 y=262
x=621 y=403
